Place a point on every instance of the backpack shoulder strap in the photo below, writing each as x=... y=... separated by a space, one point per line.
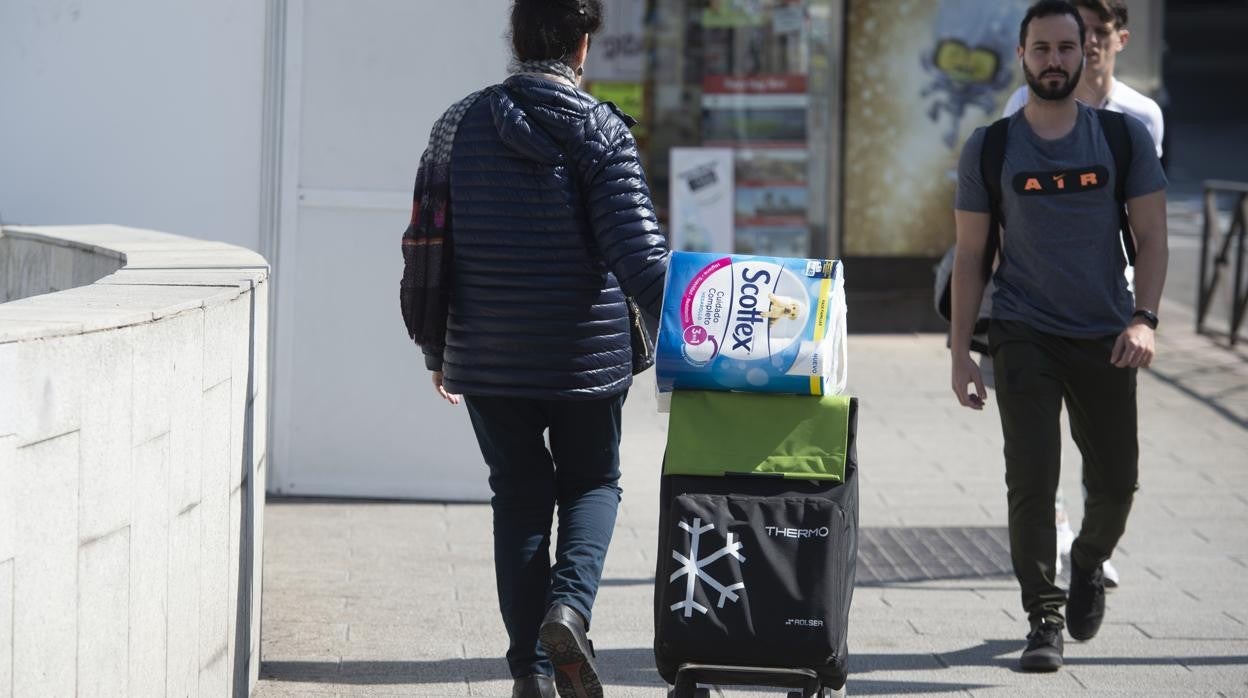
x=1114 y=126
x=991 y=164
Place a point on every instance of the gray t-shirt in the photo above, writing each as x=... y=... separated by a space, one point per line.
x=1062 y=261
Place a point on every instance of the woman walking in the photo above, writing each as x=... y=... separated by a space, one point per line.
x=532 y=227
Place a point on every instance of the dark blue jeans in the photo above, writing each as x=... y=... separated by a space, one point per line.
x=580 y=473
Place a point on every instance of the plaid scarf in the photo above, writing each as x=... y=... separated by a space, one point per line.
x=425 y=291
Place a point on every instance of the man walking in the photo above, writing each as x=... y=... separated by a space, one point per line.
x=1064 y=328
x=1105 y=22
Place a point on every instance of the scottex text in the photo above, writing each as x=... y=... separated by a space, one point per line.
x=748 y=314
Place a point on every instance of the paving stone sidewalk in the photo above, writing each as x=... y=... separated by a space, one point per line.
x=398 y=598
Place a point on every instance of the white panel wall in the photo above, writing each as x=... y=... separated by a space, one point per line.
x=354 y=412
x=377 y=73
x=139 y=112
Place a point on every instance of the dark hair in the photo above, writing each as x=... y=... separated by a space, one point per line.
x=544 y=30
x=1048 y=8
x=1114 y=11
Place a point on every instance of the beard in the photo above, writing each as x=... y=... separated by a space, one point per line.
x=1053 y=94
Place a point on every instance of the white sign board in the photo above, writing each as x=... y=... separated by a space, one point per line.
x=702 y=199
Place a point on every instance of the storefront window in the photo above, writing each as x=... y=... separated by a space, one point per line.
x=738 y=138
x=807 y=127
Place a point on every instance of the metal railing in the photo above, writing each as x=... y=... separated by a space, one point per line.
x=1209 y=278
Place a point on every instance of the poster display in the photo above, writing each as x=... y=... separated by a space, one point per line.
x=701 y=199
x=921 y=76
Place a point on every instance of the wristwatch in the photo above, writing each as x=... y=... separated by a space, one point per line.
x=1149 y=316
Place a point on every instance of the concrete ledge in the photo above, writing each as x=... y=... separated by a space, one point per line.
x=92 y=278
x=132 y=449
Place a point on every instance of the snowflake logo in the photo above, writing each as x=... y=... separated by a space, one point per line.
x=691 y=568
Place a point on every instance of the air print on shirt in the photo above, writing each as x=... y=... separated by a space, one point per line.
x=1068 y=181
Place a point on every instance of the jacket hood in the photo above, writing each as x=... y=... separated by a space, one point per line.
x=535 y=115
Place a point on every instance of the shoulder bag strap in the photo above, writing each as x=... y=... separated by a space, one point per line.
x=1114 y=126
x=991 y=164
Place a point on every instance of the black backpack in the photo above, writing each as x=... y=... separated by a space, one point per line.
x=991 y=163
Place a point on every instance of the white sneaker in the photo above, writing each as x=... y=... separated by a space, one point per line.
x=1065 y=539
x=1110 y=573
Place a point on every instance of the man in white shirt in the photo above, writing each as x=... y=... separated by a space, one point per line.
x=1108 y=35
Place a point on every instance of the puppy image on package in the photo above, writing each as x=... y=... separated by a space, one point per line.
x=782 y=307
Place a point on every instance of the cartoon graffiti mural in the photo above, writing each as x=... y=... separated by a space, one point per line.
x=970 y=60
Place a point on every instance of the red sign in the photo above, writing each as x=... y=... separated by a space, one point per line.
x=754 y=84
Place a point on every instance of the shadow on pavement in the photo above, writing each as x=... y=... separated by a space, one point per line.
x=867 y=687
x=635 y=667
x=1215 y=402
x=631 y=666
x=1207 y=369
x=988 y=654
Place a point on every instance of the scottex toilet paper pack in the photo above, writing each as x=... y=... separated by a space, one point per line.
x=751 y=323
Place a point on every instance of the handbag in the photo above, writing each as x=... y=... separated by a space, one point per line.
x=643 y=346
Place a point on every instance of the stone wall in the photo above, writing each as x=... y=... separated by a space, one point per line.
x=132 y=463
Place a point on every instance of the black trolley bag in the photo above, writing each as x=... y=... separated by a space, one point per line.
x=756 y=561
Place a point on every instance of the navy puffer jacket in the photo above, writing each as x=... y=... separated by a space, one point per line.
x=551 y=215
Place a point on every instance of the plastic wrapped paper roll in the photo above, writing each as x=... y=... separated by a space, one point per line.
x=755 y=324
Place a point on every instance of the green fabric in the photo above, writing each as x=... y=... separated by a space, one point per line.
x=797 y=436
